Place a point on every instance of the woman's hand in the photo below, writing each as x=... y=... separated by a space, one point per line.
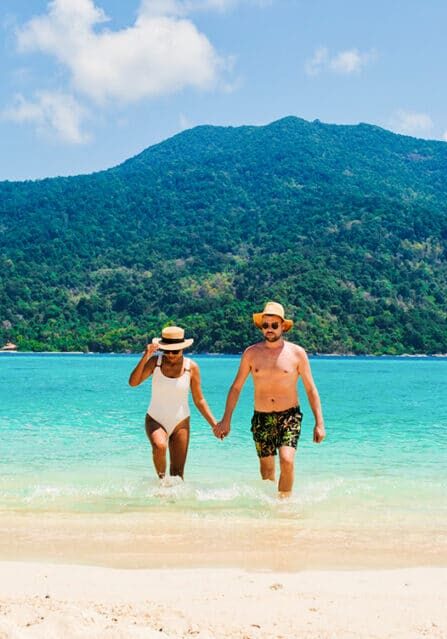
x=150 y=350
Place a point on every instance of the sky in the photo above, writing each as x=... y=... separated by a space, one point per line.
x=87 y=84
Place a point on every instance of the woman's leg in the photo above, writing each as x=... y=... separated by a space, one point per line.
x=178 y=448
x=158 y=438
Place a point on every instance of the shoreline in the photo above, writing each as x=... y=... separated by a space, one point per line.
x=310 y=354
x=40 y=600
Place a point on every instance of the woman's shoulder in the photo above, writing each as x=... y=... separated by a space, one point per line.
x=192 y=366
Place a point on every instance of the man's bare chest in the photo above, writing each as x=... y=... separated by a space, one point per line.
x=271 y=368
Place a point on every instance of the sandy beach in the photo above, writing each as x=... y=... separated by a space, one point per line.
x=44 y=601
x=130 y=575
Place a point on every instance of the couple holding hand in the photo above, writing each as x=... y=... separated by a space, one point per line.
x=275 y=364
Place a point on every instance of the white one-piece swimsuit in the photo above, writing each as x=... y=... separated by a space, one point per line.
x=169 y=398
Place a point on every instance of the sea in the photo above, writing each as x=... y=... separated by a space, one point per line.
x=73 y=441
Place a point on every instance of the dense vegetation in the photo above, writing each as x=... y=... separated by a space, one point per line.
x=346 y=225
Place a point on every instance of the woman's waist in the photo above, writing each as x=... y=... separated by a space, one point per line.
x=168 y=407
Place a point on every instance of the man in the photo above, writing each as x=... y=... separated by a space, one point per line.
x=276 y=366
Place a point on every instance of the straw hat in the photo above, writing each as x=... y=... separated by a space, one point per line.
x=172 y=339
x=273 y=308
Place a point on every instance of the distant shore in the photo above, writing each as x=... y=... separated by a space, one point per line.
x=310 y=353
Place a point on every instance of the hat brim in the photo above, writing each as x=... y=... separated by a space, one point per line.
x=179 y=346
x=257 y=320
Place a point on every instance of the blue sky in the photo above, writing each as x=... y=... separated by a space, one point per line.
x=86 y=84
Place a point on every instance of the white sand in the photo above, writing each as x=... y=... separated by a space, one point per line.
x=62 y=602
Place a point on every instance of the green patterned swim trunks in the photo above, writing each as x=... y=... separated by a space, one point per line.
x=276 y=429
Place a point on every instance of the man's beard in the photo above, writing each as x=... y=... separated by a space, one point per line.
x=272 y=338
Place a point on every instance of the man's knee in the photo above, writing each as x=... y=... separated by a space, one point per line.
x=268 y=473
x=267 y=468
x=287 y=463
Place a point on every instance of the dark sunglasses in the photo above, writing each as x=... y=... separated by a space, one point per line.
x=273 y=325
x=173 y=352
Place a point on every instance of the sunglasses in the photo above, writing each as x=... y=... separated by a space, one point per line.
x=173 y=352
x=273 y=325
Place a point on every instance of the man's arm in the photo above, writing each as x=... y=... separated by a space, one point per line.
x=233 y=395
x=312 y=396
x=145 y=366
x=199 y=399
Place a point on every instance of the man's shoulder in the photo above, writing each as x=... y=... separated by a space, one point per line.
x=296 y=348
x=253 y=348
x=250 y=352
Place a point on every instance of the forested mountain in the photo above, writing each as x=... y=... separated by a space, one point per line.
x=346 y=225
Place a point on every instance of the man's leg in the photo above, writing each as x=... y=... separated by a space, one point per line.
x=267 y=467
x=178 y=449
x=158 y=438
x=286 y=462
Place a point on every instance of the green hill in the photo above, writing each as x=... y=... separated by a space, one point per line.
x=346 y=225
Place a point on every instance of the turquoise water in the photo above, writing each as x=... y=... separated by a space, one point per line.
x=72 y=439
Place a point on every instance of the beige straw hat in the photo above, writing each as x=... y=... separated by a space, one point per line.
x=172 y=339
x=273 y=308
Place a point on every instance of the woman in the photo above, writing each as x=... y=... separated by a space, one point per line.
x=167 y=418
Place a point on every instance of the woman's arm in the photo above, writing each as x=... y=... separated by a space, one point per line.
x=199 y=399
x=145 y=366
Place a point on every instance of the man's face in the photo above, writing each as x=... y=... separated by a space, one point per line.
x=272 y=328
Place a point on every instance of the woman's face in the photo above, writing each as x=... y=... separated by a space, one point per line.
x=173 y=356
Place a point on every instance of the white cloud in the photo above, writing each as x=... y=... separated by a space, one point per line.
x=411 y=123
x=53 y=114
x=318 y=61
x=345 y=62
x=350 y=61
x=160 y=54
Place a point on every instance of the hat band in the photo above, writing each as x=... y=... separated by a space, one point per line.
x=170 y=340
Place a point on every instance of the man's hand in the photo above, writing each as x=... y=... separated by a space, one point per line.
x=319 y=433
x=223 y=429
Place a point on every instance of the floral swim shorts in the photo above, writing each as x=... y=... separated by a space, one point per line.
x=276 y=429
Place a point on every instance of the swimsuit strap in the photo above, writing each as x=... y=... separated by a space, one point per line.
x=158 y=364
x=187 y=364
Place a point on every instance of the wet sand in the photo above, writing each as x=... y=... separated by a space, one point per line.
x=178 y=540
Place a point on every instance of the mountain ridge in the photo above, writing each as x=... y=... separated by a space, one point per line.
x=349 y=222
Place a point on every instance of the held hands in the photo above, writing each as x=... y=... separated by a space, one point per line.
x=221 y=429
x=319 y=433
x=216 y=430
